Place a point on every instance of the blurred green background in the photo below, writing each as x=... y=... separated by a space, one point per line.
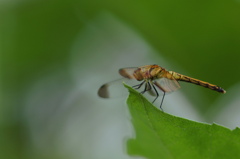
x=55 y=55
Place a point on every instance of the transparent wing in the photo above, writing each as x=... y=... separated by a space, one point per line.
x=128 y=72
x=115 y=88
x=167 y=85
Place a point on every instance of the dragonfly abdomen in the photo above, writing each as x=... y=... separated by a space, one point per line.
x=184 y=78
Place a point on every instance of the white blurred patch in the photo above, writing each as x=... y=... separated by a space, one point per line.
x=109 y=45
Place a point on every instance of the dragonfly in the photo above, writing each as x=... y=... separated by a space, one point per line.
x=154 y=78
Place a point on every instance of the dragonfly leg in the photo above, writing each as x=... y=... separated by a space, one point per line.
x=147 y=87
x=162 y=101
x=138 y=85
x=158 y=96
x=156 y=93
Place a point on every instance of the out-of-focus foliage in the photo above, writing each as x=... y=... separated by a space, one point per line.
x=55 y=54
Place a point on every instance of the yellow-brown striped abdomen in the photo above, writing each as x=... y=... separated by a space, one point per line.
x=184 y=78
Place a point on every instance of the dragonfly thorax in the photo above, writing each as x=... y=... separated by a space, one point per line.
x=138 y=74
x=147 y=73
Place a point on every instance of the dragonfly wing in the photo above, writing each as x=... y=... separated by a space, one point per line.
x=103 y=91
x=167 y=85
x=128 y=72
x=114 y=88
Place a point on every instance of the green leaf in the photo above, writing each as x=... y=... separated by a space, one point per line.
x=161 y=135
